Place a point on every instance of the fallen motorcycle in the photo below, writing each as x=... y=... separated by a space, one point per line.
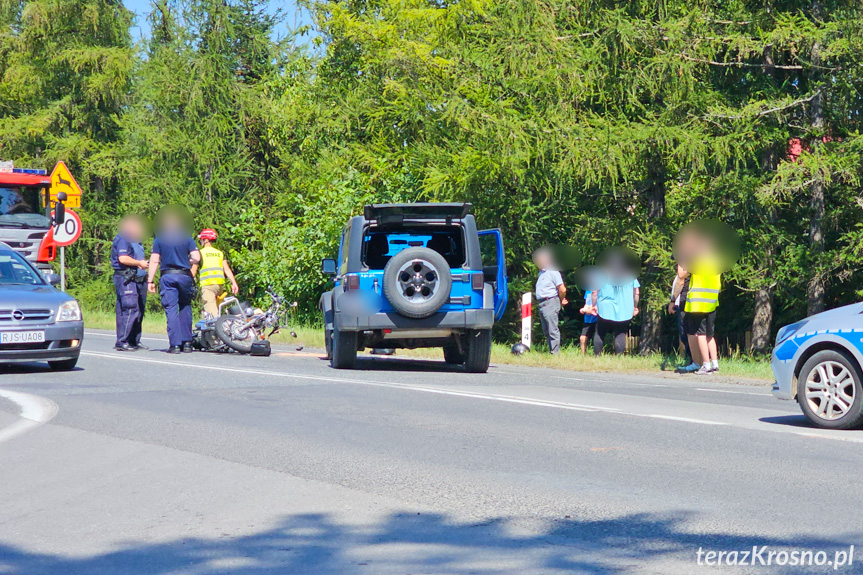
x=241 y=328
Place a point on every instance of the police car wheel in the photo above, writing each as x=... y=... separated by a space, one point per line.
x=829 y=390
x=417 y=282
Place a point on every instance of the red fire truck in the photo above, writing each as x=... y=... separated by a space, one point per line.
x=25 y=215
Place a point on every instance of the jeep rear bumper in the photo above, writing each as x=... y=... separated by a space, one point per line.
x=468 y=319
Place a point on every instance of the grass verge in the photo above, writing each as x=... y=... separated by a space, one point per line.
x=569 y=358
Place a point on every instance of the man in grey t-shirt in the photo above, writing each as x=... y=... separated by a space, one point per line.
x=550 y=296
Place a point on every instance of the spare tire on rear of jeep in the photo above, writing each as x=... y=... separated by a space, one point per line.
x=417 y=282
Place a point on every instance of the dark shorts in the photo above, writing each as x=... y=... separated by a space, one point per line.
x=699 y=323
x=589 y=330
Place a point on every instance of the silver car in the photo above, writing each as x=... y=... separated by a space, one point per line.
x=817 y=361
x=37 y=321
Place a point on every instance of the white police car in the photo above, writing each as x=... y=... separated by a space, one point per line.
x=817 y=361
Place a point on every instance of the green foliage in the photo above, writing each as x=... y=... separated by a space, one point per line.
x=588 y=122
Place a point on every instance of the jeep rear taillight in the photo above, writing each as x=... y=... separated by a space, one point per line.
x=352 y=281
x=476 y=281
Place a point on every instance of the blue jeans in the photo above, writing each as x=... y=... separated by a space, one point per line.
x=177 y=292
x=129 y=311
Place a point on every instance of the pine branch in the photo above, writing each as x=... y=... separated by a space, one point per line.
x=739 y=64
x=769 y=111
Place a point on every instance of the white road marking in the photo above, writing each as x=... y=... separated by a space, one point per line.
x=34 y=411
x=591 y=380
x=163 y=339
x=754 y=426
x=437 y=390
x=729 y=391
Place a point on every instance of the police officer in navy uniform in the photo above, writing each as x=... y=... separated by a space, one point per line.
x=174 y=252
x=130 y=271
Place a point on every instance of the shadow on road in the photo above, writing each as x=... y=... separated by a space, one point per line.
x=790 y=420
x=29 y=367
x=405 y=364
x=408 y=543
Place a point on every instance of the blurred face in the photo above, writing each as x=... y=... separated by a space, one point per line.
x=620 y=265
x=174 y=219
x=542 y=259
x=132 y=227
x=557 y=257
x=707 y=247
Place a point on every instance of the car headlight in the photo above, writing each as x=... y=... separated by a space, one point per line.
x=789 y=330
x=69 y=311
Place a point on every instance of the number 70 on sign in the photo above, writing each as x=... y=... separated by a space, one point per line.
x=69 y=231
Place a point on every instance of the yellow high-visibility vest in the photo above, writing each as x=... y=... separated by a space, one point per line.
x=703 y=295
x=211 y=267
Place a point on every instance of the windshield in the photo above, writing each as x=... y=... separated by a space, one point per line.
x=15 y=270
x=19 y=207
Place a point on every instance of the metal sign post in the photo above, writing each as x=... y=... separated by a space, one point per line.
x=526 y=318
x=66 y=234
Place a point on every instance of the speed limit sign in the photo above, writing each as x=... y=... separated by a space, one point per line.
x=69 y=231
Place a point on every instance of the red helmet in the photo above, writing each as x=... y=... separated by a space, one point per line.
x=207 y=234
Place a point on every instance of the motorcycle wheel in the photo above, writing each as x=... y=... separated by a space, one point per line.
x=227 y=331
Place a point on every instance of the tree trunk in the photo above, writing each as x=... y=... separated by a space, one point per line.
x=651 y=319
x=651 y=328
x=815 y=289
x=762 y=322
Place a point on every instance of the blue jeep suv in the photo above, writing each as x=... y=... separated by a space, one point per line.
x=415 y=275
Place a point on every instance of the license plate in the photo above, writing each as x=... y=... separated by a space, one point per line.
x=22 y=337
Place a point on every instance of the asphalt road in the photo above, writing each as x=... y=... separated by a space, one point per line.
x=155 y=464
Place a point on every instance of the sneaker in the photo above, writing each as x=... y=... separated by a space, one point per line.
x=714 y=369
x=691 y=368
x=704 y=370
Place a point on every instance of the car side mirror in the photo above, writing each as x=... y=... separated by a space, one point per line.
x=328 y=266
x=54 y=279
x=60 y=209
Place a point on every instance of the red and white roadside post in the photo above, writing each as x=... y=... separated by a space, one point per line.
x=526 y=318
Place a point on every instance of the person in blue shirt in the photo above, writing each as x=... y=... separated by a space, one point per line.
x=174 y=253
x=588 y=331
x=616 y=304
x=129 y=263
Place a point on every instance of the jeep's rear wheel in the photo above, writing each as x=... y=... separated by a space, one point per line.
x=344 y=349
x=417 y=282
x=829 y=391
x=477 y=350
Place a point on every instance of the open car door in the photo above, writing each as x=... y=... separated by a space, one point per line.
x=494 y=267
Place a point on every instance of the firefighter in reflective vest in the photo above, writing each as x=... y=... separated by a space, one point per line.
x=214 y=270
x=700 y=319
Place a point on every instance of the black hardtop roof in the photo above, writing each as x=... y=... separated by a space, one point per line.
x=418 y=211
